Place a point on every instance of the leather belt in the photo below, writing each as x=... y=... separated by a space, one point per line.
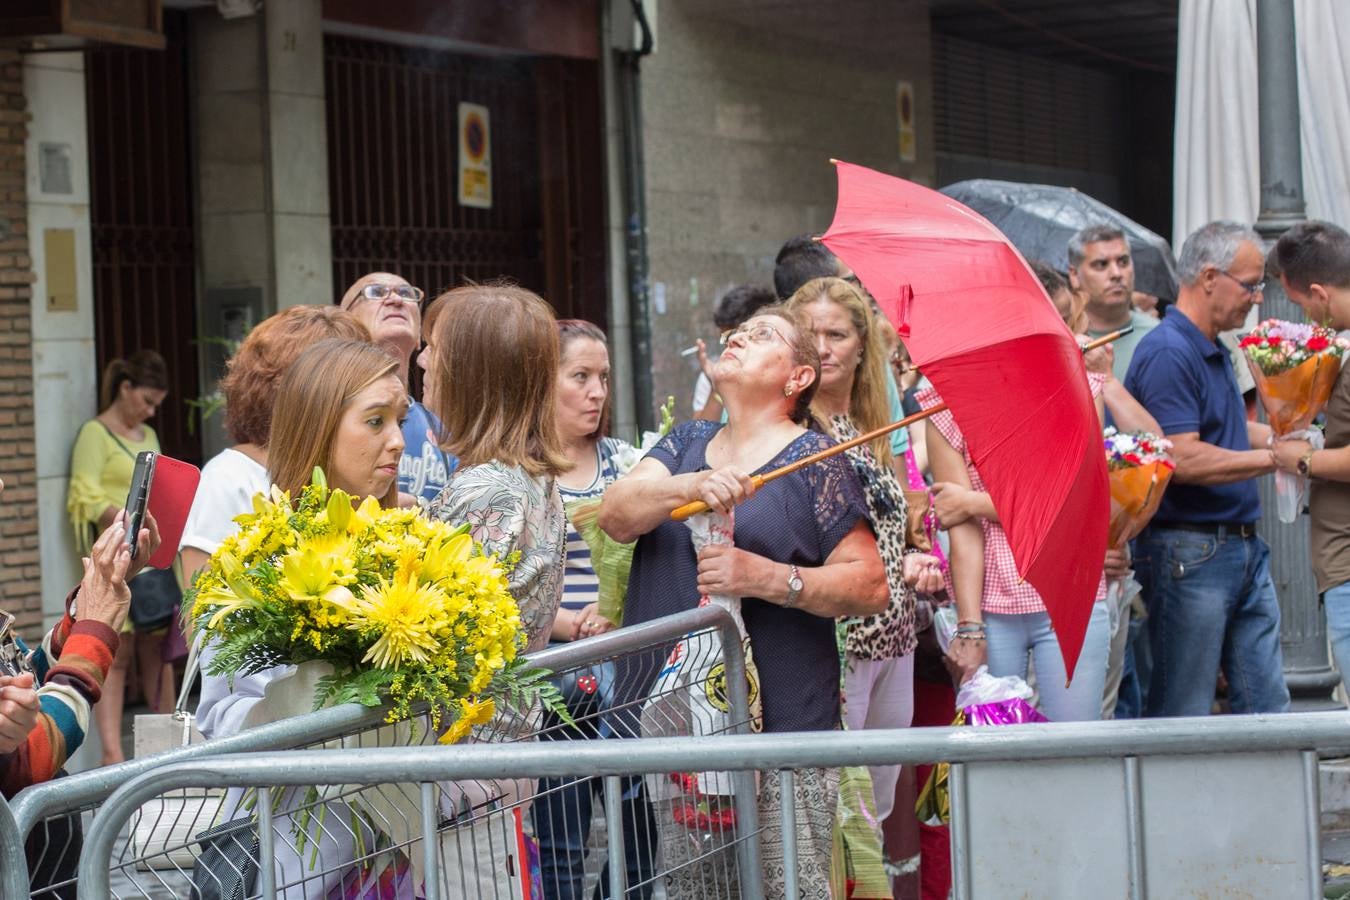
x=1220 y=530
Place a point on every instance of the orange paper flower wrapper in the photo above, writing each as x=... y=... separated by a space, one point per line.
x=1294 y=397
x=1135 y=495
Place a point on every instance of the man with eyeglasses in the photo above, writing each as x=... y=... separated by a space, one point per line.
x=1101 y=268
x=1206 y=573
x=392 y=309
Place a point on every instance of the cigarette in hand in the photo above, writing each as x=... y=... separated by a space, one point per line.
x=689 y=351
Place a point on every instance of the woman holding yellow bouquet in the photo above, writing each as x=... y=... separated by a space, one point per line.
x=338 y=407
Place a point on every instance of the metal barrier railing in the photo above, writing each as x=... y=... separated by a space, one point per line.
x=1278 y=750
x=642 y=649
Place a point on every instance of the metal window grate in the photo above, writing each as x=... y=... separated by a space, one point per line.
x=141 y=217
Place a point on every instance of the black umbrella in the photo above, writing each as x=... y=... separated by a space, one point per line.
x=1039 y=219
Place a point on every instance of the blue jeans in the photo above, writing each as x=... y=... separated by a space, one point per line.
x=1336 y=602
x=563 y=807
x=1138 y=668
x=1011 y=638
x=1211 y=605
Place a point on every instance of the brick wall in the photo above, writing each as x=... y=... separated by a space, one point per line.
x=20 y=584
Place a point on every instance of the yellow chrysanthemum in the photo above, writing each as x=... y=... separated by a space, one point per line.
x=403 y=613
x=439 y=615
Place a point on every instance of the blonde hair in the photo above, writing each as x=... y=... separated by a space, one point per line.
x=495 y=361
x=867 y=404
x=311 y=399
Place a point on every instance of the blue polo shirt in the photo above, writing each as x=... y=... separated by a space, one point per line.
x=1186 y=381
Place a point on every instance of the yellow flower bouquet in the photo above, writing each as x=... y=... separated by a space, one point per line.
x=404 y=609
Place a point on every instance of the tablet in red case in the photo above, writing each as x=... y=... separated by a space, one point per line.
x=171 y=496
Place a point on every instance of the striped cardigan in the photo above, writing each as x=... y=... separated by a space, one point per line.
x=70 y=665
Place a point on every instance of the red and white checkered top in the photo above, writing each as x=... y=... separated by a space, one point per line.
x=1004 y=590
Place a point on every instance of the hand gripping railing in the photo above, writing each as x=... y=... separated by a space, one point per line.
x=39 y=802
x=1123 y=740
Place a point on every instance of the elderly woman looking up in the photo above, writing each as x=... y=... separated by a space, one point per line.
x=879 y=650
x=804 y=553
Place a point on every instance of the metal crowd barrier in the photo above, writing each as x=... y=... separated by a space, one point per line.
x=1181 y=807
x=49 y=821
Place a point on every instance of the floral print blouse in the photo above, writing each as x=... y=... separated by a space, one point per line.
x=508 y=511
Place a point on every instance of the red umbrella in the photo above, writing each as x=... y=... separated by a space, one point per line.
x=978 y=323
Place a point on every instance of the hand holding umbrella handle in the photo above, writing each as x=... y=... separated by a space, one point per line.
x=680 y=513
x=694 y=507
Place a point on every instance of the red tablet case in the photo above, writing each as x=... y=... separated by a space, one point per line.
x=171 y=495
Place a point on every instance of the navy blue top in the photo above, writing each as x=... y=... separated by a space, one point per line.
x=1186 y=381
x=424 y=468
x=799 y=519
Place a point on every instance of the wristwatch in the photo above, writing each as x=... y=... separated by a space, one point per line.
x=1305 y=463
x=794 y=584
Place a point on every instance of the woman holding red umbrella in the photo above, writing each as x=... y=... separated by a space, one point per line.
x=804 y=555
x=1002 y=620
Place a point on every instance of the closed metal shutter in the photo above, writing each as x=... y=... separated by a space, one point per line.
x=999 y=113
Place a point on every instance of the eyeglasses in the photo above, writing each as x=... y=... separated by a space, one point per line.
x=755 y=334
x=1252 y=288
x=405 y=292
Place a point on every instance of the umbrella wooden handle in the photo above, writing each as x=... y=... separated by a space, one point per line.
x=694 y=507
x=680 y=513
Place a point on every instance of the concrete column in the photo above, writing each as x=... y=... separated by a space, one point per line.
x=623 y=400
x=1302 y=627
x=63 y=338
x=297 y=145
x=262 y=171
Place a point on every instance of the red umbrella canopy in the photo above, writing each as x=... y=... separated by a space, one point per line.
x=978 y=323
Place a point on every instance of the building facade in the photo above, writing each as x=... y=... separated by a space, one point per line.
x=246 y=156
